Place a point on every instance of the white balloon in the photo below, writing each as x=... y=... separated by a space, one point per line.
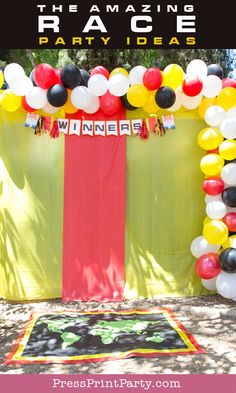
x=231 y=114
x=36 y=98
x=228 y=128
x=213 y=198
x=226 y=285
x=20 y=84
x=93 y=106
x=48 y=108
x=214 y=115
x=198 y=68
x=178 y=101
x=118 y=85
x=201 y=246
x=81 y=97
x=136 y=75
x=216 y=210
x=209 y=284
x=228 y=174
x=12 y=69
x=192 y=102
x=212 y=86
x=98 y=85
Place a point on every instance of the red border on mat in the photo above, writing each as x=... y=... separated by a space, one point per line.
x=189 y=335
x=9 y=360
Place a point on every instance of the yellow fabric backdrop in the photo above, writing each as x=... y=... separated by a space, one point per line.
x=164 y=212
x=31 y=209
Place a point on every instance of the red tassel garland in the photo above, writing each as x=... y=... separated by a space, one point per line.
x=54 y=133
x=47 y=123
x=143 y=131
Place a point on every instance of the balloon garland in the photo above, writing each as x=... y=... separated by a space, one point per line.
x=71 y=89
x=215 y=250
x=201 y=86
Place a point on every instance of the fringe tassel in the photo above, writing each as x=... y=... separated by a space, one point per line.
x=54 y=133
x=159 y=128
x=143 y=131
x=47 y=123
x=38 y=128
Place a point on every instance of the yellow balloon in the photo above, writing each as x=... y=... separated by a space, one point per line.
x=61 y=113
x=1 y=79
x=227 y=98
x=69 y=107
x=230 y=242
x=119 y=70
x=215 y=232
x=151 y=106
x=137 y=95
x=204 y=105
x=211 y=164
x=173 y=76
x=206 y=220
x=9 y=101
x=210 y=138
x=227 y=149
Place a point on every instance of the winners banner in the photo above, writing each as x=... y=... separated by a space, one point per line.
x=117 y=24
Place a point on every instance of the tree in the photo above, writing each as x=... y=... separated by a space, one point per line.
x=111 y=58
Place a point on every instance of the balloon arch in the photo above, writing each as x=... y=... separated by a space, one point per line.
x=58 y=92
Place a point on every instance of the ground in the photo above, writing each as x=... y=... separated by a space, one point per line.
x=211 y=319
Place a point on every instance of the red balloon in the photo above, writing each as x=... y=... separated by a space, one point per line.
x=45 y=76
x=152 y=78
x=208 y=266
x=58 y=74
x=228 y=82
x=26 y=107
x=213 y=185
x=230 y=220
x=100 y=70
x=110 y=104
x=192 y=86
x=214 y=151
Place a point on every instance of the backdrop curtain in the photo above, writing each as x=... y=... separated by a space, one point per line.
x=94 y=216
x=165 y=210
x=31 y=207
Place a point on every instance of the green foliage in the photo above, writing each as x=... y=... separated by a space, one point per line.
x=111 y=58
x=162 y=57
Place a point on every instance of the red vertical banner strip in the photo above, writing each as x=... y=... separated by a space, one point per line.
x=94 y=216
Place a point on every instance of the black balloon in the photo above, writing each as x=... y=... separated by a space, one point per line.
x=57 y=95
x=215 y=69
x=229 y=196
x=85 y=77
x=126 y=103
x=32 y=77
x=71 y=76
x=228 y=260
x=165 y=97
